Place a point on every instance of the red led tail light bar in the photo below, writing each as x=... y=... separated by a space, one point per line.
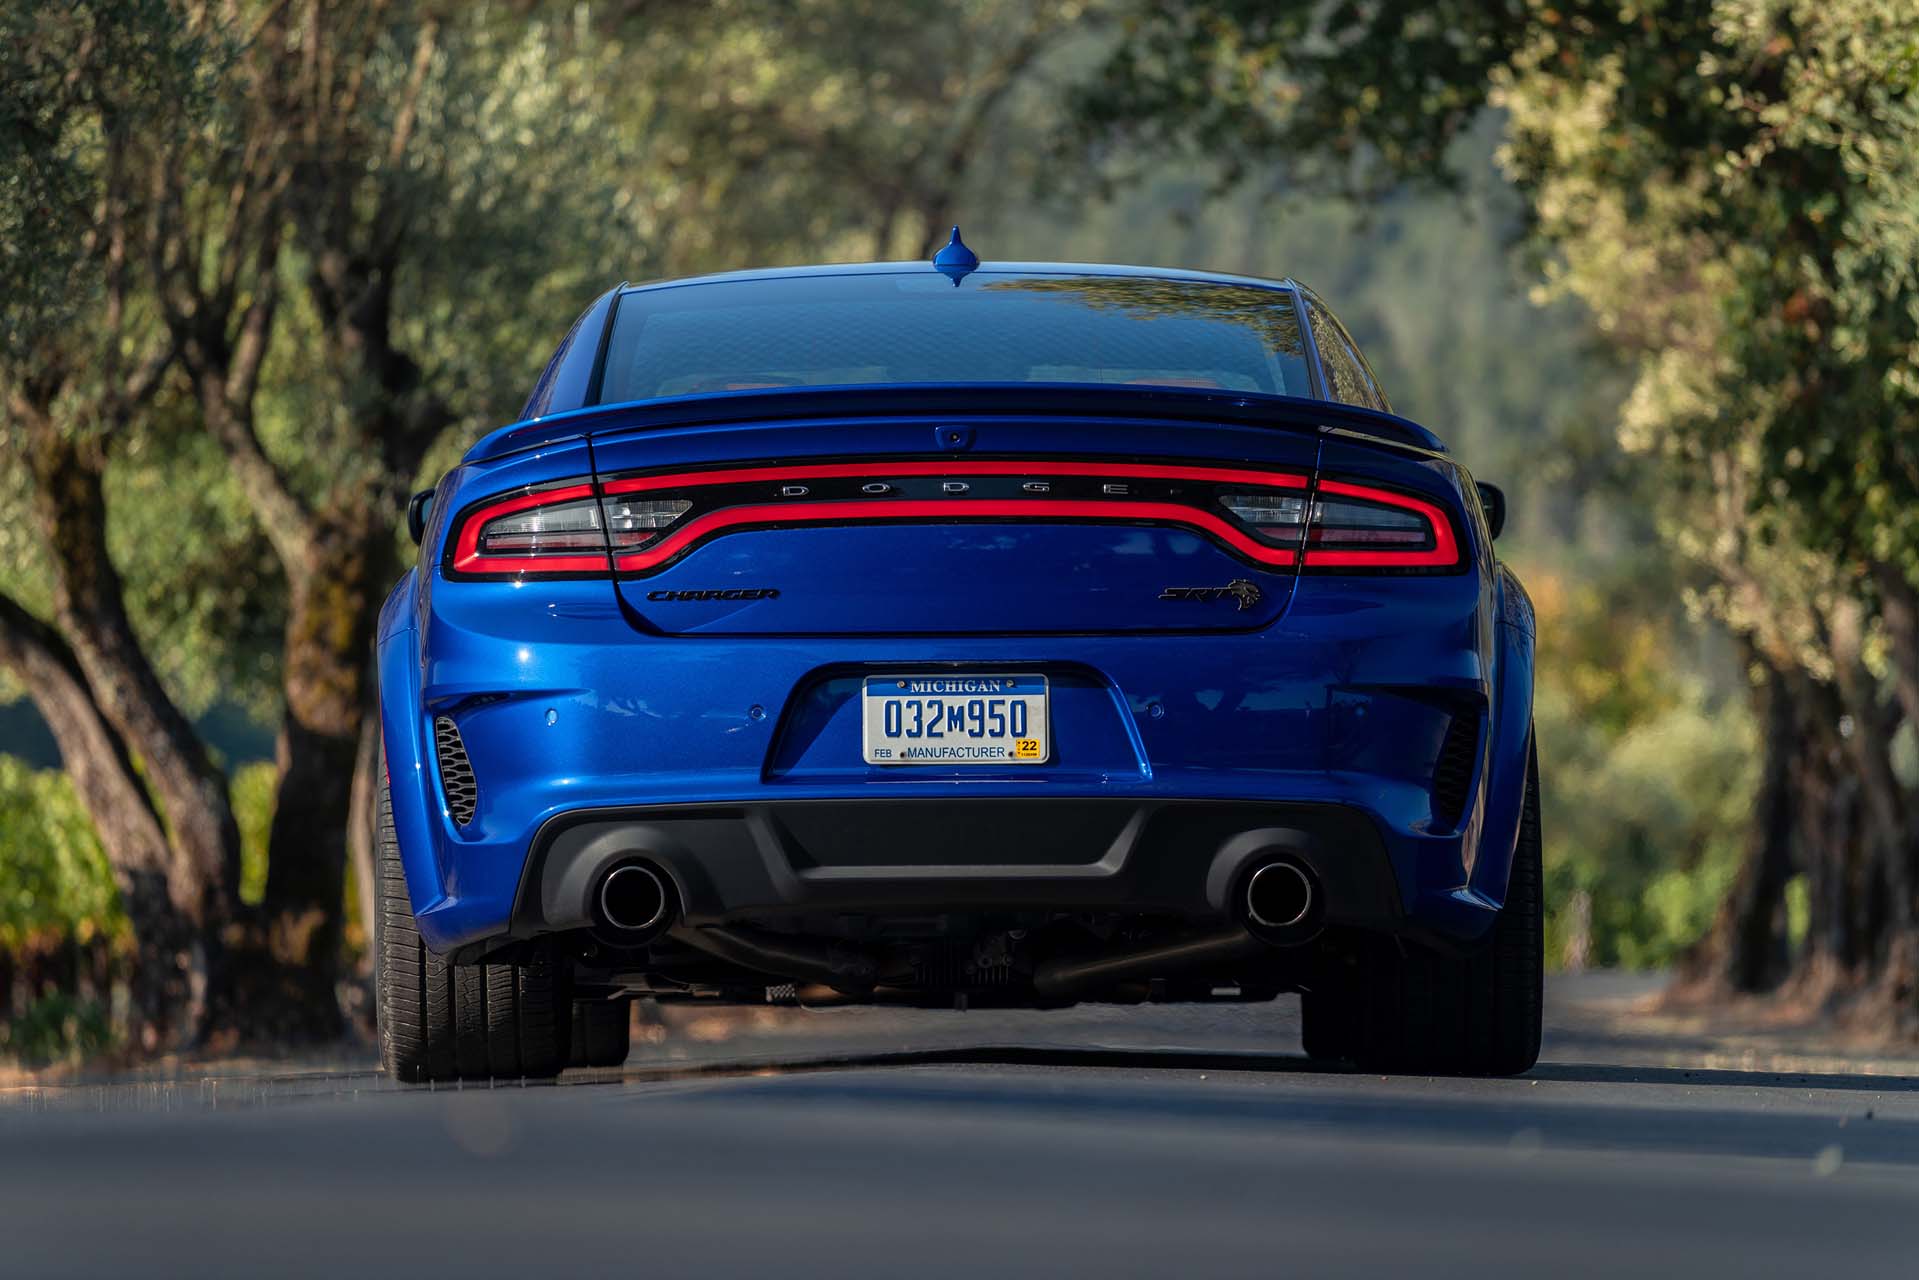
x=1354 y=527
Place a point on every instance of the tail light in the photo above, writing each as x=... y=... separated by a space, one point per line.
x=561 y=529
x=1356 y=526
x=633 y=523
x=1352 y=527
x=555 y=529
x=1273 y=517
x=638 y=524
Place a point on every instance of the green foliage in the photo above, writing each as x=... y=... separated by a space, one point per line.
x=54 y=881
x=53 y=147
x=1649 y=783
x=1345 y=95
x=831 y=130
x=254 y=788
x=55 y=891
x=57 y=1026
x=201 y=586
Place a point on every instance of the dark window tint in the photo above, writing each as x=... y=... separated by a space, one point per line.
x=832 y=330
x=542 y=397
x=1345 y=378
x=1378 y=392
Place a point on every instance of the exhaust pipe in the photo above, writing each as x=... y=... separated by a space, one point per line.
x=1278 y=896
x=1280 y=903
x=1063 y=976
x=844 y=968
x=634 y=903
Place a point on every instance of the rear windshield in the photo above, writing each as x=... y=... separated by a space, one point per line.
x=921 y=327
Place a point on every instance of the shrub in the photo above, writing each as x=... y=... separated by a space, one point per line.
x=1648 y=784
x=56 y=882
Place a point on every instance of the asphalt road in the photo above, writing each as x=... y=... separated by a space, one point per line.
x=1152 y=1141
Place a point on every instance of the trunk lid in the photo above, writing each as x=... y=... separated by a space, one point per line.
x=910 y=526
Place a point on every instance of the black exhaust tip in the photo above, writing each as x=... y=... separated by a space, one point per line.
x=634 y=902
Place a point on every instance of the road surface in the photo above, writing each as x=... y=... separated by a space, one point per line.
x=1156 y=1141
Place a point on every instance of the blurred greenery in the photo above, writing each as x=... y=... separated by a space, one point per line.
x=1640 y=716
x=1569 y=307
x=56 y=899
x=56 y=884
x=58 y=1026
x=253 y=786
x=56 y=891
x=1650 y=782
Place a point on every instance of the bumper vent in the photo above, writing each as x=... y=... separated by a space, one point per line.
x=1453 y=774
x=456 y=771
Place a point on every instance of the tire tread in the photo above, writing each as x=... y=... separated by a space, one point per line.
x=1407 y=1008
x=439 y=1021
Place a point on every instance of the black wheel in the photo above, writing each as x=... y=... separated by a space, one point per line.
x=452 y=1022
x=1416 y=1010
x=602 y=1033
x=1323 y=1032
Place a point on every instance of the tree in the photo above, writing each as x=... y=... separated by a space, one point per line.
x=79 y=84
x=1728 y=187
x=765 y=132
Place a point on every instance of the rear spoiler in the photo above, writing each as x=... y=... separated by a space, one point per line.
x=962 y=401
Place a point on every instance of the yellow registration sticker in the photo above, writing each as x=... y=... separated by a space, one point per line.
x=1027 y=749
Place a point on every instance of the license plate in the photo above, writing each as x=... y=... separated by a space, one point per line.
x=955 y=719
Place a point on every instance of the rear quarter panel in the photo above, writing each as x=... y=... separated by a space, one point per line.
x=1458 y=630
x=425 y=639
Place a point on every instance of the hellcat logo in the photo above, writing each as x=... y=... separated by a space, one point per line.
x=730 y=593
x=1244 y=593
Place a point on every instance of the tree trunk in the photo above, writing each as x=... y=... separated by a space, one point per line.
x=167 y=988
x=329 y=632
x=90 y=609
x=1885 y=896
x=1824 y=806
x=1899 y=612
x=1747 y=948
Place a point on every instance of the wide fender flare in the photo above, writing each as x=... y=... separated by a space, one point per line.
x=1509 y=754
x=409 y=769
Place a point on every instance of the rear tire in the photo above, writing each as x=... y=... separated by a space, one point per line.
x=440 y=1021
x=1323 y=1033
x=602 y=1033
x=1421 y=1011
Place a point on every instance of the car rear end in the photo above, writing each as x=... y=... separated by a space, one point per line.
x=993 y=687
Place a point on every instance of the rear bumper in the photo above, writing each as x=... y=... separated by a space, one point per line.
x=736 y=766
x=792 y=858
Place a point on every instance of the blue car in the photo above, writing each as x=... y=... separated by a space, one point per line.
x=955 y=633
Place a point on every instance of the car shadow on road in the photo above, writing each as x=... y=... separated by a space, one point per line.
x=1132 y=1059
x=1693 y=1111
x=1720 y=1077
